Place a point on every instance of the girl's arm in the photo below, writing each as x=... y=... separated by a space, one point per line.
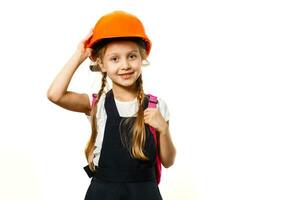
x=153 y=117
x=57 y=92
x=167 y=148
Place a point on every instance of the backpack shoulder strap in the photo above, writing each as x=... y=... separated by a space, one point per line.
x=152 y=101
x=94 y=99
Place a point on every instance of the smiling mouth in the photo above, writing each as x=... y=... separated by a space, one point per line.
x=126 y=75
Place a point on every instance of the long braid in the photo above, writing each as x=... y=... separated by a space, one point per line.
x=139 y=132
x=91 y=143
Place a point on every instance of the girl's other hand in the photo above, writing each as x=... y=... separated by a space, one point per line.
x=153 y=117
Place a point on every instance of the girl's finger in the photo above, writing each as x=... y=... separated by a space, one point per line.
x=146 y=119
x=149 y=110
x=146 y=112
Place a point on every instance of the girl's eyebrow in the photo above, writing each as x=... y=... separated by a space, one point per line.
x=135 y=50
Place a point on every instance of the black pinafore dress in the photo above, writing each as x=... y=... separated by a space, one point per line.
x=118 y=175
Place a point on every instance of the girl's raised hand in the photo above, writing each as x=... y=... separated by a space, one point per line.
x=153 y=117
x=81 y=51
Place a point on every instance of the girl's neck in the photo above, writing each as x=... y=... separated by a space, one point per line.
x=124 y=93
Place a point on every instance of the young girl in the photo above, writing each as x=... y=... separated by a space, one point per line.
x=121 y=152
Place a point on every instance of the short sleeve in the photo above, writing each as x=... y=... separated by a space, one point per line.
x=162 y=106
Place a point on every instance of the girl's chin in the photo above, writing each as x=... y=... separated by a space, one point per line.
x=125 y=83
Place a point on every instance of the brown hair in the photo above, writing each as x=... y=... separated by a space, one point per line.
x=139 y=134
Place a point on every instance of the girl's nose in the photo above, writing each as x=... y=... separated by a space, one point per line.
x=125 y=65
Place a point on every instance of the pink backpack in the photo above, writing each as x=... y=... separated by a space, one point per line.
x=151 y=104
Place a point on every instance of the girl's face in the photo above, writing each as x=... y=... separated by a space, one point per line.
x=122 y=62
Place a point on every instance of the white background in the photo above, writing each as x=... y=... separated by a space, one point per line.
x=228 y=70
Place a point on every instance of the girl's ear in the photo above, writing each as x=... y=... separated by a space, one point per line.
x=145 y=62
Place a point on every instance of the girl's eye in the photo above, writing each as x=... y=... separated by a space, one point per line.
x=132 y=56
x=114 y=59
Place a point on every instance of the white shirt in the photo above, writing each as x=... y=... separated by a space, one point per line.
x=125 y=109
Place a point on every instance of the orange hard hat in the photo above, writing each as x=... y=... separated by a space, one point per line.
x=118 y=24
